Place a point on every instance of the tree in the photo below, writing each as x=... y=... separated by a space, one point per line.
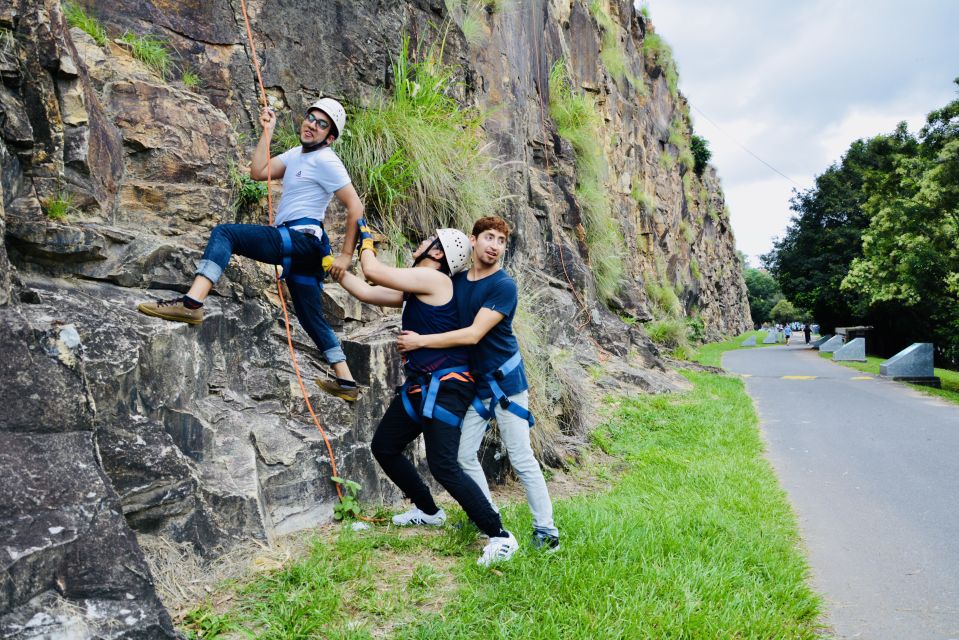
x=784 y=312
x=701 y=154
x=910 y=258
x=763 y=293
x=824 y=237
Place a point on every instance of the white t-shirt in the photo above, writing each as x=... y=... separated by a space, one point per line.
x=309 y=183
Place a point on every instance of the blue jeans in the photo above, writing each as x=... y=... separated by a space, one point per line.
x=263 y=244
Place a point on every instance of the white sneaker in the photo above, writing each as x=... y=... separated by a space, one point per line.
x=416 y=517
x=498 y=550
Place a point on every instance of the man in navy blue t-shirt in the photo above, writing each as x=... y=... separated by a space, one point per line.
x=487 y=297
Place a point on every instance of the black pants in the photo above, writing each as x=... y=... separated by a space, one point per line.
x=396 y=430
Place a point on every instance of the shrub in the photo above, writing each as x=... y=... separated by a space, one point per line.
x=696 y=329
x=701 y=153
x=149 y=50
x=79 y=18
x=694 y=269
x=420 y=151
x=579 y=122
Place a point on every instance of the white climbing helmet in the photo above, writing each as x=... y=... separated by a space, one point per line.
x=456 y=247
x=334 y=109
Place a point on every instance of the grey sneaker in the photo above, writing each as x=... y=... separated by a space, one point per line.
x=545 y=541
x=172 y=310
x=350 y=394
x=415 y=516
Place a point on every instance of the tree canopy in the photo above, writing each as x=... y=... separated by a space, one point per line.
x=876 y=240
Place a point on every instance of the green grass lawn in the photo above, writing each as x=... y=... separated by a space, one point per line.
x=712 y=354
x=950 y=379
x=690 y=537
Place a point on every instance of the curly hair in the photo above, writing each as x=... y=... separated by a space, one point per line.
x=491 y=222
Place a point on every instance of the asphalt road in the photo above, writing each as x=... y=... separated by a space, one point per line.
x=872 y=470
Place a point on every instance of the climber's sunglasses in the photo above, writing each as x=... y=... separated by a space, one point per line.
x=319 y=122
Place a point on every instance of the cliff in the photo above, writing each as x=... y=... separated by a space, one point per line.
x=117 y=426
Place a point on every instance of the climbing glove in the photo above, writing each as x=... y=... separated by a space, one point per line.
x=366 y=236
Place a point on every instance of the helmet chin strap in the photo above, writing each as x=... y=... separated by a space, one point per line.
x=313 y=147
x=426 y=252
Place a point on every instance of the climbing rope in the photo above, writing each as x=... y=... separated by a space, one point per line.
x=276 y=272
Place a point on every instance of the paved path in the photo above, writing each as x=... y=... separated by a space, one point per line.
x=872 y=470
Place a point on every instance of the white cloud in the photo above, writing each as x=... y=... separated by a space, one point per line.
x=796 y=83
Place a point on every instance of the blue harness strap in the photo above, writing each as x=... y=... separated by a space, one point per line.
x=499 y=396
x=287 y=247
x=429 y=410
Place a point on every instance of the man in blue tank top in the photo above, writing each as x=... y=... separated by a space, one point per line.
x=312 y=175
x=486 y=297
x=438 y=388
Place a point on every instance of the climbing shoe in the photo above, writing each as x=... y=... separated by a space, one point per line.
x=172 y=310
x=344 y=392
x=545 y=541
x=499 y=549
x=415 y=516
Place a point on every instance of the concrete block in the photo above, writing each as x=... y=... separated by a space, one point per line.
x=770 y=337
x=833 y=344
x=749 y=342
x=815 y=344
x=912 y=364
x=854 y=350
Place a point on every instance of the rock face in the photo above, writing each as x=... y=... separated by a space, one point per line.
x=115 y=423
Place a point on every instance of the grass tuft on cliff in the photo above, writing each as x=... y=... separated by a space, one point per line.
x=661 y=55
x=580 y=123
x=151 y=51
x=692 y=538
x=78 y=17
x=612 y=52
x=418 y=157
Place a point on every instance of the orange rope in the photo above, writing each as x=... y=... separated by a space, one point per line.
x=279 y=286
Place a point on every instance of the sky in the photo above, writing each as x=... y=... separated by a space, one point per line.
x=796 y=81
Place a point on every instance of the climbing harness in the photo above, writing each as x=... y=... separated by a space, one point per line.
x=287 y=260
x=499 y=396
x=429 y=410
x=279 y=288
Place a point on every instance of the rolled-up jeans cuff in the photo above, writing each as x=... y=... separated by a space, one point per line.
x=209 y=270
x=335 y=355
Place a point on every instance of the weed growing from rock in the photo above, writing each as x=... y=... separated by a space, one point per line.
x=612 y=52
x=59 y=206
x=149 y=50
x=78 y=17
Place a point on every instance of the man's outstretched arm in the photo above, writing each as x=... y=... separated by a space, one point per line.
x=484 y=321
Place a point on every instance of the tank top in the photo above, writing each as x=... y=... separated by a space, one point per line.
x=426 y=319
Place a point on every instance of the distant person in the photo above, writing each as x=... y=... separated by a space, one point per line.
x=806 y=332
x=787 y=332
